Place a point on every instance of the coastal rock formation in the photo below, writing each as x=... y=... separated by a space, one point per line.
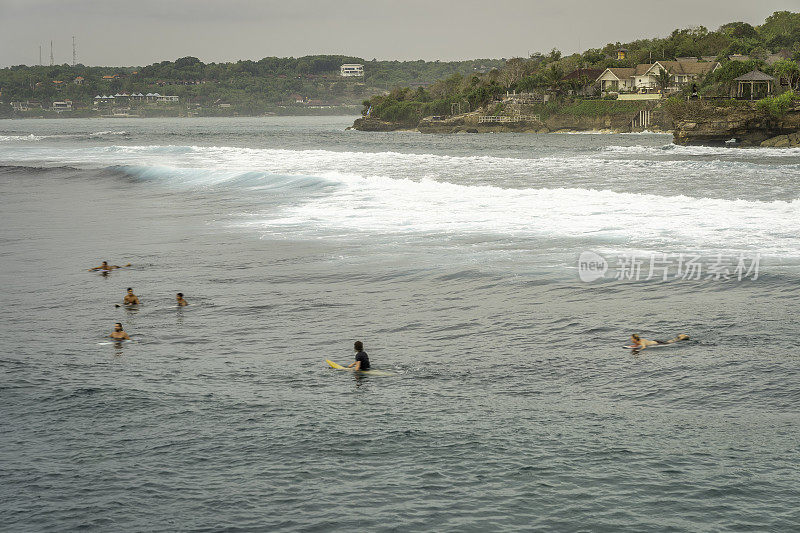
x=470 y=123
x=373 y=124
x=706 y=122
x=526 y=122
x=784 y=141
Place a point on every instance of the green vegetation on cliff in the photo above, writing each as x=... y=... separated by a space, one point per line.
x=248 y=87
x=777 y=106
x=545 y=73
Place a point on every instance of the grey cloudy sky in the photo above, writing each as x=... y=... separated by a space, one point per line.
x=139 y=32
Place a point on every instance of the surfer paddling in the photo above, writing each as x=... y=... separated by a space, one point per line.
x=362 y=359
x=105 y=267
x=638 y=343
x=118 y=333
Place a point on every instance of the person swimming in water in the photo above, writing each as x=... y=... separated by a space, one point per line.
x=640 y=344
x=180 y=300
x=362 y=359
x=118 y=333
x=105 y=267
x=130 y=298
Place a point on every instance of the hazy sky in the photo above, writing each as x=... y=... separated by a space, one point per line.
x=140 y=32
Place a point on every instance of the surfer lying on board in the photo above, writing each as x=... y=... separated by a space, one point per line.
x=130 y=298
x=118 y=333
x=105 y=266
x=362 y=359
x=640 y=344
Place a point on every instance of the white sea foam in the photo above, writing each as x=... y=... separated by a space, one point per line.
x=36 y=138
x=549 y=170
x=346 y=203
x=104 y=133
x=724 y=151
x=401 y=193
x=19 y=138
x=654 y=222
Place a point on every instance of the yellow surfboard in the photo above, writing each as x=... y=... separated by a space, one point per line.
x=337 y=366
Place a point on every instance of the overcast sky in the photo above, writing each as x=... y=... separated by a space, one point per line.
x=140 y=32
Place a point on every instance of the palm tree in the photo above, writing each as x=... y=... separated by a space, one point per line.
x=663 y=79
x=787 y=69
x=554 y=75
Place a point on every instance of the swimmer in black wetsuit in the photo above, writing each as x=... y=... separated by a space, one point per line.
x=362 y=359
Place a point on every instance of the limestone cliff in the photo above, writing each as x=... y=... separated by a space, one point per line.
x=791 y=140
x=519 y=119
x=373 y=124
x=709 y=122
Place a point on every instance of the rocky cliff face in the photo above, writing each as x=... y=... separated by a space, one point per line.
x=705 y=122
x=373 y=124
x=470 y=123
x=791 y=140
x=660 y=120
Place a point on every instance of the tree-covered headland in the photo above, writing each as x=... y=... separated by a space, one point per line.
x=738 y=46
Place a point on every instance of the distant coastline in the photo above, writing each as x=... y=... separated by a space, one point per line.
x=333 y=110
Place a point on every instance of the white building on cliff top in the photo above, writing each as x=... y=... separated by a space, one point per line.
x=351 y=70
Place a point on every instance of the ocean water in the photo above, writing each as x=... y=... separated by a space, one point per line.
x=511 y=404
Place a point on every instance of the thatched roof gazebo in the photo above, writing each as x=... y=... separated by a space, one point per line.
x=756 y=80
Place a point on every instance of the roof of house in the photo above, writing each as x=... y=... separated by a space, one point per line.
x=755 y=75
x=621 y=73
x=688 y=67
x=591 y=73
x=778 y=56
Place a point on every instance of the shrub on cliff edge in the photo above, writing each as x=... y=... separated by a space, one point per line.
x=777 y=106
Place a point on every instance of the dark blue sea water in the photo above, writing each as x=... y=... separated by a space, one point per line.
x=511 y=404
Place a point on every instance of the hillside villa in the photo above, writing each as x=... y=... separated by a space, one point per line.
x=349 y=70
x=60 y=107
x=135 y=97
x=643 y=77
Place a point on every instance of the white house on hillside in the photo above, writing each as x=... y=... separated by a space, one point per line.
x=60 y=107
x=351 y=70
x=644 y=77
x=617 y=79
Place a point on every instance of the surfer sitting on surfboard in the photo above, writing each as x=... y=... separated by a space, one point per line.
x=180 y=300
x=130 y=298
x=106 y=267
x=362 y=359
x=118 y=333
x=639 y=343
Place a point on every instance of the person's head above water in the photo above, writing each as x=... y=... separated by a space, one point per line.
x=180 y=295
x=635 y=337
x=358 y=346
x=118 y=326
x=130 y=289
x=105 y=262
